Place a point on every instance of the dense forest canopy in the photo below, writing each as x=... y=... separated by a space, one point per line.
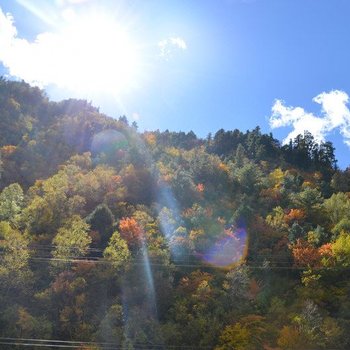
x=115 y=238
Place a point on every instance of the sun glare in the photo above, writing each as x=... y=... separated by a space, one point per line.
x=97 y=55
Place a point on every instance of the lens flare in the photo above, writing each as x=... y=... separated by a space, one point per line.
x=110 y=142
x=229 y=249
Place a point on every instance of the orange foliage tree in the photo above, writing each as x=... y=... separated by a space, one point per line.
x=295 y=215
x=306 y=255
x=131 y=231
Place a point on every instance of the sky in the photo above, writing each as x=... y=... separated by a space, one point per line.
x=191 y=65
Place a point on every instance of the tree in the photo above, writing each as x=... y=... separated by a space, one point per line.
x=240 y=156
x=277 y=219
x=247 y=334
x=111 y=326
x=117 y=253
x=337 y=207
x=238 y=282
x=342 y=225
x=71 y=242
x=101 y=220
x=305 y=255
x=341 y=181
x=310 y=199
x=234 y=337
x=32 y=327
x=341 y=250
x=326 y=156
x=14 y=263
x=66 y=304
x=290 y=338
x=249 y=178
x=184 y=187
x=310 y=330
x=131 y=232
x=11 y=202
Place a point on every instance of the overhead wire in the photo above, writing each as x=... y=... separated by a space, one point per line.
x=102 y=261
x=200 y=265
x=75 y=344
x=183 y=261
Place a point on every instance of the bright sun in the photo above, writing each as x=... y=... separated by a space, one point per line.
x=97 y=55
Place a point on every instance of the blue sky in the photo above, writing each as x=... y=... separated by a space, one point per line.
x=194 y=65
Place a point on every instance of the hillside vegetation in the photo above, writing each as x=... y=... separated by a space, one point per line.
x=115 y=239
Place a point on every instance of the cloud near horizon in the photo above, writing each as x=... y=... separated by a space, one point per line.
x=335 y=115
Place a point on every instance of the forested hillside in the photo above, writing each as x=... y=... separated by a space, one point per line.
x=111 y=238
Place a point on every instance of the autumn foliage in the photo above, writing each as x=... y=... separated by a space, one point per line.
x=305 y=255
x=131 y=231
x=168 y=240
x=295 y=215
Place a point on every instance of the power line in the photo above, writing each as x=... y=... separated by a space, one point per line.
x=42 y=345
x=193 y=255
x=74 y=344
x=176 y=262
x=140 y=262
x=105 y=262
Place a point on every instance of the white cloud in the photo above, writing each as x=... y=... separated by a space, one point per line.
x=335 y=115
x=180 y=43
x=79 y=57
x=88 y=54
x=7 y=32
x=28 y=61
x=169 y=45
